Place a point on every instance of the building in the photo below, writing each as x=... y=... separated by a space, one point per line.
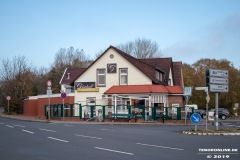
x=118 y=80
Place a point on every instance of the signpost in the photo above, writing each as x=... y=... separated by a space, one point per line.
x=49 y=92
x=207 y=101
x=8 y=99
x=187 y=94
x=63 y=95
x=217 y=81
x=195 y=119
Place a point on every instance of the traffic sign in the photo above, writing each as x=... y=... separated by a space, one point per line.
x=218 y=88
x=49 y=83
x=49 y=92
x=218 y=80
x=8 y=98
x=202 y=88
x=195 y=118
x=63 y=95
x=187 y=91
x=218 y=73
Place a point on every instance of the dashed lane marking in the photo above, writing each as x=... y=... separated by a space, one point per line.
x=48 y=130
x=56 y=139
x=28 y=131
x=16 y=125
x=87 y=136
x=151 y=145
x=9 y=126
x=110 y=150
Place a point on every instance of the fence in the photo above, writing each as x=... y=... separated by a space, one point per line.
x=121 y=111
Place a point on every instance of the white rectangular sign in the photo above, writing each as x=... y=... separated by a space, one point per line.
x=202 y=88
x=218 y=73
x=218 y=88
x=218 y=80
x=49 y=92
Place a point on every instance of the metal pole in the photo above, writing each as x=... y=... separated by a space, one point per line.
x=49 y=107
x=216 y=110
x=8 y=106
x=207 y=111
x=187 y=97
x=63 y=108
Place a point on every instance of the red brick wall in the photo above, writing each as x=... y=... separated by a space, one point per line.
x=30 y=107
x=36 y=107
x=175 y=100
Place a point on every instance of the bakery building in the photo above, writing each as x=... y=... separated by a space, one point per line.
x=124 y=84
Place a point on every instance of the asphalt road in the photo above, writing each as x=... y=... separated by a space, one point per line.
x=21 y=140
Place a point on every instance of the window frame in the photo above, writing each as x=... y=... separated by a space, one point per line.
x=101 y=74
x=120 y=75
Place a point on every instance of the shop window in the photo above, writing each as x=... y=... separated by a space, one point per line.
x=101 y=77
x=123 y=76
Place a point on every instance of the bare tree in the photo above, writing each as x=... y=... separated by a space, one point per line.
x=69 y=57
x=141 y=48
x=17 y=81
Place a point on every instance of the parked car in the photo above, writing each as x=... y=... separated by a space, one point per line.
x=202 y=112
x=223 y=113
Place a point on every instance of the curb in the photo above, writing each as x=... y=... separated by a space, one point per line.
x=211 y=134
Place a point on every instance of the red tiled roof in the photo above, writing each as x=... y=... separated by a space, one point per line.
x=137 y=89
x=174 y=89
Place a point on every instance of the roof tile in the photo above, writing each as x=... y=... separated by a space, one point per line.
x=137 y=89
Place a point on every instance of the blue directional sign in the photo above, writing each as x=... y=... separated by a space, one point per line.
x=195 y=118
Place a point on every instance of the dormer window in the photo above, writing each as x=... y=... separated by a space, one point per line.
x=68 y=75
x=159 y=75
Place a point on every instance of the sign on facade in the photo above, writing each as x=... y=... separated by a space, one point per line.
x=84 y=85
x=112 y=68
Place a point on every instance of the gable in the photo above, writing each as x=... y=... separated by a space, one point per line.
x=112 y=56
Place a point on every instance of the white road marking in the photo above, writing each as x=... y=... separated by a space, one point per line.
x=19 y=125
x=110 y=150
x=68 y=125
x=9 y=126
x=87 y=136
x=28 y=131
x=103 y=129
x=150 y=145
x=1 y=123
x=58 y=139
x=48 y=130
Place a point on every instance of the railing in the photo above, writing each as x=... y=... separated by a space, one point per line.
x=121 y=111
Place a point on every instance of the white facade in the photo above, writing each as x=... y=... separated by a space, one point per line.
x=134 y=76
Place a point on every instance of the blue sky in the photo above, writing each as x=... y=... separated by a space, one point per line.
x=186 y=30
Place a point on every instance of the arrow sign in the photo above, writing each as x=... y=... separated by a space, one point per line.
x=218 y=73
x=195 y=118
x=218 y=88
x=218 y=80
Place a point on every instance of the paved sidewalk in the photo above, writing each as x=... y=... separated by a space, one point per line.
x=29 y=118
